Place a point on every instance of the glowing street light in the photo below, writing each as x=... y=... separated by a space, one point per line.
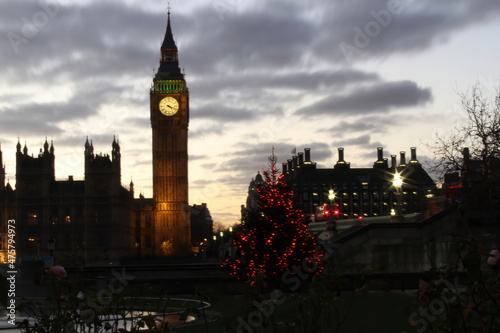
x=331 y=224
x=331 y=196
x=397 y=182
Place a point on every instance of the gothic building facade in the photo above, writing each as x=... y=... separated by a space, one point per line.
x=355 y=192
x=97 y=220
x=169 y=104
x=90 y=220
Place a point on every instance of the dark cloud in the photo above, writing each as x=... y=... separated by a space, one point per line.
x=40 y=119
x=379 y=98
x=277 y=84
x=352 y=127
x=367 y=124
x=353 y=31
x=245 y=163
x=246 y=40
x=16 y=127
x=79 y=41
x=218 y=112
x=255 y=52
x=139 y=122
x=216 y=129
x=363 y=141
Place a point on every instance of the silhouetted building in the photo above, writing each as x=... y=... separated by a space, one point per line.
x=252 y=198
x=97 y=220
x=356 y=192
x=201 y=225
x=91 y=220
x=169 y=114
x=475 y=183
x=7 y=211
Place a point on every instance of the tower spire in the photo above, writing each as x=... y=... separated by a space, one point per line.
x=169 y=61
x=168 y=40
x=169 y=103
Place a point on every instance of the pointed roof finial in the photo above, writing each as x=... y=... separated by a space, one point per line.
x=168 y=41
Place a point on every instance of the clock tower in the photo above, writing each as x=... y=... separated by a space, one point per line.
x=169 y=99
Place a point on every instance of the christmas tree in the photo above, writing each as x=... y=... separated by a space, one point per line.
x=274 y=241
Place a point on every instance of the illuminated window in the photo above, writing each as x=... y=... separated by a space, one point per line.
x=32 y=241
x=32 y=218
x=67 y=219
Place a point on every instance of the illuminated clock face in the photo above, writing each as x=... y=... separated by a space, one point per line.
x=169 y=106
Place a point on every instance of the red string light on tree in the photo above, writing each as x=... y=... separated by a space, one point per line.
x=275 y=237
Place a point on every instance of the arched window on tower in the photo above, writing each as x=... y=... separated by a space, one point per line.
x=169 y=57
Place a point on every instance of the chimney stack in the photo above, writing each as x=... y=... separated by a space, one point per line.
x=307 y=157
x=466 y=155
x=402 y=158
x=301 y=158
x=380 y=154
x=394 y=162
x=413 y=155
x=284 y=168
x=341 y=155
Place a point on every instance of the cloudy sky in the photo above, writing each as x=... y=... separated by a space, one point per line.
x=319 y=74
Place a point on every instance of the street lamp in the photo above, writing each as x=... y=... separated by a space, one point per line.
x=397 y=182
x=51 y=245
x=331 y=226
x=331 y=196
